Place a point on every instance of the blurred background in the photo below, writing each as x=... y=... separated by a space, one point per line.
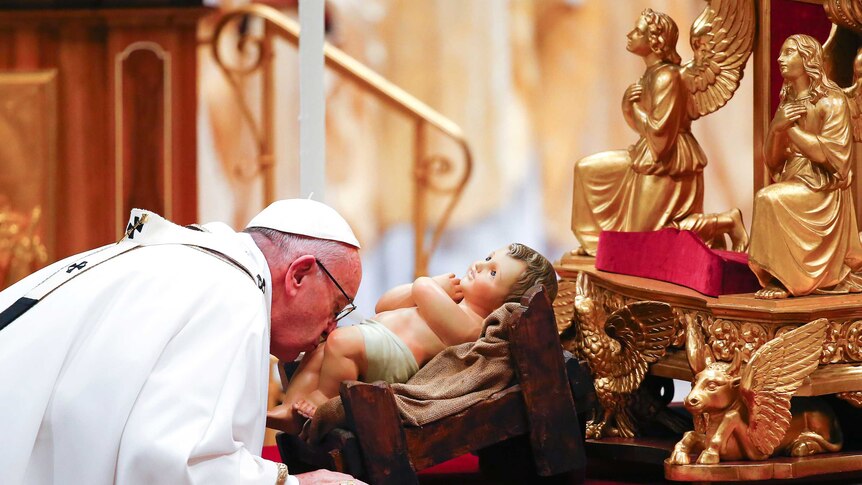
x=111 y=104
x=534 y=84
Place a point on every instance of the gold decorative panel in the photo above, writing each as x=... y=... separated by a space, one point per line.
x=28 y=130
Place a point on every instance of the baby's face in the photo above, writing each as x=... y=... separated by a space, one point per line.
x=489 y=280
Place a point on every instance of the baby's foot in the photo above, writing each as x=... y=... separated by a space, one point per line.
x=305 y=408
x=308 y=406
x=283 y=418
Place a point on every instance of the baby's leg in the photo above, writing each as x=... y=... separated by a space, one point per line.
x=305 y=379
x=283 y=417
x=343 y=359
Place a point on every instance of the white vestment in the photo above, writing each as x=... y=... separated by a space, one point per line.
x=150 y=368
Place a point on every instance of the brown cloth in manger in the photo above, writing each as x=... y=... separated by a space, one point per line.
x=455 y=379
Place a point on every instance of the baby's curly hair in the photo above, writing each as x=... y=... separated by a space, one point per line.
x=539 y=270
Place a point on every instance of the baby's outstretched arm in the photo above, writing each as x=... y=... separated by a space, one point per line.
x=394 y=298
x=401 y=296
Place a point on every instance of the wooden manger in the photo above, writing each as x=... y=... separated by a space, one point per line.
x=538 y=409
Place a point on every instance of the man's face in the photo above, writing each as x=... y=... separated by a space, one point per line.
x=489 y=280
x=299 y=322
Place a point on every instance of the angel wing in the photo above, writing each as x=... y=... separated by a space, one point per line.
x=644 y=331
x=772 y=376
x=722 y=38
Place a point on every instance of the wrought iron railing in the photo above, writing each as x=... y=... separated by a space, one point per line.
x=432 y=173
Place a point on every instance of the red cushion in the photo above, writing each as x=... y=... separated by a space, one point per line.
x=464 y=464
x=678 y=257
x=271 y=453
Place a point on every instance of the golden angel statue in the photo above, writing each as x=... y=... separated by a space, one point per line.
x=744 y=411
x=804 y=236
x=618 y=349
x=658 y=181
x=854 y=96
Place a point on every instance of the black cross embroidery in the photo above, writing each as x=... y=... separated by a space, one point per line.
x=261 y=284
x=79 y=266
x=137 y=224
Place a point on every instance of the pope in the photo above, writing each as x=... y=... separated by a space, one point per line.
x=146 y=361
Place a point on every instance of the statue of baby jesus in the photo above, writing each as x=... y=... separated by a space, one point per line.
x=414 y=322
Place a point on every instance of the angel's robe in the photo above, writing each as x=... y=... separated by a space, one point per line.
x=149 y=368
x=804 y=231
x=655 y=183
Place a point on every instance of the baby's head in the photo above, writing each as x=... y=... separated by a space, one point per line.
x=539 y=270
x=505 y=275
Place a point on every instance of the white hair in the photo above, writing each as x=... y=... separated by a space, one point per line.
x=290 y=246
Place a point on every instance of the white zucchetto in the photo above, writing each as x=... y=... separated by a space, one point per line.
x=305 y=217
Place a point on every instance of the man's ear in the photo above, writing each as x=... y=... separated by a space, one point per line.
x=297 y=271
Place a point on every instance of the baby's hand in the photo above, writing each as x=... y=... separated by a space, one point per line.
x=451 y=285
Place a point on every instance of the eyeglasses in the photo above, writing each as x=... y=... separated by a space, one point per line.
x=350 y=306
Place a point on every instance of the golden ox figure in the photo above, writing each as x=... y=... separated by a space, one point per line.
x=745 y=411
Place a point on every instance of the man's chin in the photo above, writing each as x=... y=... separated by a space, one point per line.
x=287 y=356
x=292 y=354
x=310 y=347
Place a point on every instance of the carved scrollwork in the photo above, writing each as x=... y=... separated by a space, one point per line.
x=782 y=330
x=846 y=13
x=705 y=320
x=832 y=344
x=842 y=343
x=852 y=397
x=852 y=340
x=723 y=338
x=752 y=337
